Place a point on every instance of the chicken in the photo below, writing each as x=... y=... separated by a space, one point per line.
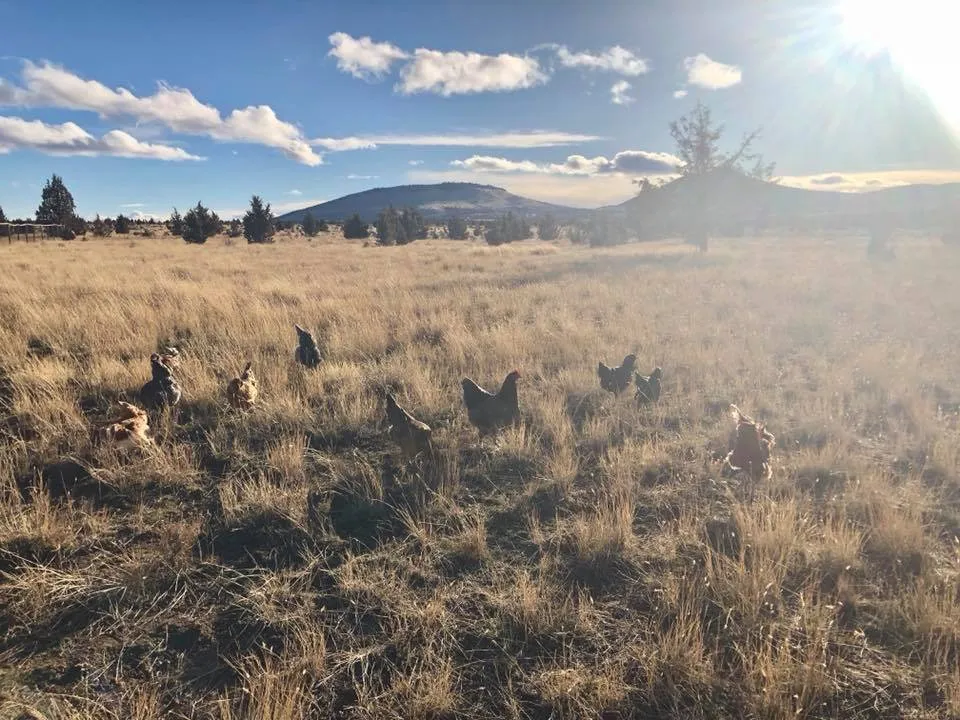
x=751 y=449
x=410 y=434
x=163 y=388
x=128 y=430
x=648 y=386
x=242 y=391
x=488 y=412
x=616 y=379
x=307 y=353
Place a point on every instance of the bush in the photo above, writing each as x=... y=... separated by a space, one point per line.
x=258 y=223
x=355 y=229
x=456 y=228
x=310 y=225
x=322 y=225
x=175 y=224
x=122 y=225
x=414 y=227
x=101 y=228
x=235 y=228
x=547 y=228
x=200 y=224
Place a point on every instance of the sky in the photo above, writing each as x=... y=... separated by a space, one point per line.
x=142 y=107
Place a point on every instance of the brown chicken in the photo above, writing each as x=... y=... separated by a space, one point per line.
x=751 y=449
x=412 y=435
x=616 y=379
x=128 y=430
x=488 y=412
x=242 y=392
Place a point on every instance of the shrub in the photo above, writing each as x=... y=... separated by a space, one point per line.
x=322 y=225
x=355 y=229
x=456 y=228
x=200 y=224
x=235 y=229
x=577 y=234
x=258 y=223
x=547 y=228
x=122 y=225
x=605 y=232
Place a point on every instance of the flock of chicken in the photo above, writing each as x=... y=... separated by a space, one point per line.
x=488 y=412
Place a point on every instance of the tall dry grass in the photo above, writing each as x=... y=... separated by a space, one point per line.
x=595 y=562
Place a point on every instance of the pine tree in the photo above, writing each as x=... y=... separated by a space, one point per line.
x=258 y=223
x=122 y=225
x=310 y=225
x=175 y=224
x=56 y=206
x=355 y=228
x=389 y=229
x=200 y=224
x=548 y=228
x=456 y=228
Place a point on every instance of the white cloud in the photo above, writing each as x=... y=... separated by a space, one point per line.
x=615 y=59
x=618 y=93
x=362 y=57
x=70 y=139
x=261 y=125
x=133 y=205
x=414 y=163
x=867 y=181
x=530 y=139
x=627 y=162
x=706 y=73
x=459 y=73
x=362 y=177
x=175 y=108
x=679 y=94
x=294 y=192
x=586 y=191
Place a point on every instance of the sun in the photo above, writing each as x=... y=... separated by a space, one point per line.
x=919 y=36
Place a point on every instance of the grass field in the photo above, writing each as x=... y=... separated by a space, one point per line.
x=594 y=562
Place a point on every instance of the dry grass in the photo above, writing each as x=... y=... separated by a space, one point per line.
x=594 y=562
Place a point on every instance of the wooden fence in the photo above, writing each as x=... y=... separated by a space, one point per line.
x=29 y=232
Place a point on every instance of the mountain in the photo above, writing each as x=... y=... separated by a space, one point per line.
x=435 y=202
x=732 y=199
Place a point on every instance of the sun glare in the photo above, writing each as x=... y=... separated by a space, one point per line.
x=920 y=37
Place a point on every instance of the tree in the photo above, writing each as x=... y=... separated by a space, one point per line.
x=547 y=228
x=199 y=224
x=310 y=225
x=508 y=228
x=101 y=227
x=258 y=223
x=56 y=204
x=697 y=139
x=121 y=225
x=414 y=227
x=175 y=224
x=456 y=228
x=389 y=229
x=355 y=229
x=3 y=218
x=236 y=228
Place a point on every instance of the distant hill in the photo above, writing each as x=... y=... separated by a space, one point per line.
x=435 y=202
x=735 y=200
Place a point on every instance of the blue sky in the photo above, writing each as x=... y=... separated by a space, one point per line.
x=146 y=106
